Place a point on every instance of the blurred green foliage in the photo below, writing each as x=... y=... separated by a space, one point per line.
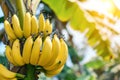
x=3 y=60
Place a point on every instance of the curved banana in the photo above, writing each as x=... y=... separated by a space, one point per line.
x=55 y=49
x=27 y=25
x=14 y=79
x=41 y=23
x=54 y=72
x=3 y=78
x=61 y=58
x=46 y=52
x=34 y=25
x=48 y=28
x=16 y=26
x=16 y=53
x=8 y=29
x=4 y=72
x=8 y=55
x=36 y=51
x=27 y=50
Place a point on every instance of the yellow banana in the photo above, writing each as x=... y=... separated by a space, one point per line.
x=16 y=53
x=48 y=28
x=8 y=55
x=55 y=49
x=27 y=25
x=34 y=25
x=36 y=51
x=54 y=72
x=27 y=50
x=41 y=23
x=16 y=26
x=46 y=52
x=14 y=79
x=5 y=73
x=8 y=29
x=61 y=58
x=2 y=78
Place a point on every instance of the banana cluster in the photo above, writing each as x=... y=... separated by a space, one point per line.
x=47 y=51
x=5 y=74
x=31 y=26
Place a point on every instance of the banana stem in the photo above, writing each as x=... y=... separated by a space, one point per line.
x=21 y=11
x=20 y=75
x=30 y=72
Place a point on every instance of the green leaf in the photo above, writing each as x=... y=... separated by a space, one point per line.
x=83 y=77
x=73 y=54
x=63 y=8
x=3 y=61
x=1 y=19
x=95 y=64
x=86 y=20
x=67 y=74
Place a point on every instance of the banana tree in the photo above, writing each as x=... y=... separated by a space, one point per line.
x=81 y=18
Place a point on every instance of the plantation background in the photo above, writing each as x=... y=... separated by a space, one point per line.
x=91 y=29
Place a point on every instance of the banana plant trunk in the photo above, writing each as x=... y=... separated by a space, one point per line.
x=30 y=74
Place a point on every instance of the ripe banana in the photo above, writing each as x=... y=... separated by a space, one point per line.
x=54 y=72
x=55 y=49
x=16 y=53
x=41 y=23
x=8 y=55
x=3 y=78
x=5 y=73
x=34 y=25
x=14 y=79
x=27 y=50
x=27 y=25
x=48 y=28
x=46 y=52
x=36 y=51
x=16 y=26
x=61 y=58
x=8 y=29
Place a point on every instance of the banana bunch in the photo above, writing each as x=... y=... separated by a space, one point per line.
x=31 y=26
x=5 y=74
x=14 y=54
x=46 y=50
x=59 y=56
x=50 y=54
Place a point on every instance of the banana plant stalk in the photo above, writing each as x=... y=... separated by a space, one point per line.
x=30 y=74
x=21 y=11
